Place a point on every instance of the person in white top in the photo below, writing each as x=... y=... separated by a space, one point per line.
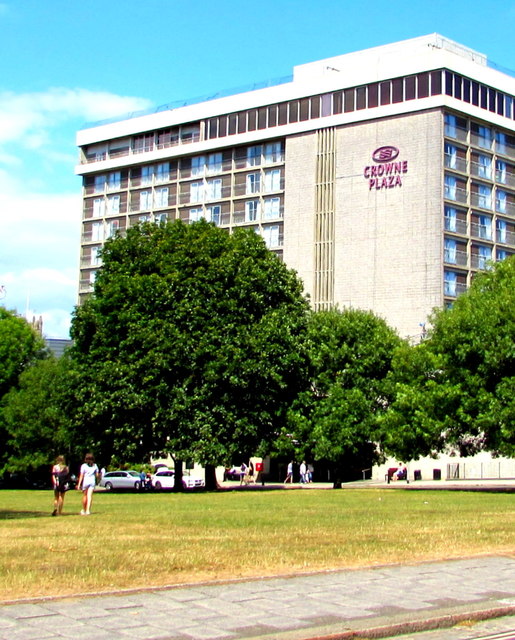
x=88 y=477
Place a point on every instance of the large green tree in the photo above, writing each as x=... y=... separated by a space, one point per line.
x=336 y=419
x=35 y=416
x=190 y=344
x=457 y=389
x=20 y=347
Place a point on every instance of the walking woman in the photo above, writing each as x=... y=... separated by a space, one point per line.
x=60 y=478
x=89 y=474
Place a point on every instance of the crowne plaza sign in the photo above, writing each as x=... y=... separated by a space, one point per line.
x=388 y=171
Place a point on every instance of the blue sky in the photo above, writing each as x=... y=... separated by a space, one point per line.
x=67 y=62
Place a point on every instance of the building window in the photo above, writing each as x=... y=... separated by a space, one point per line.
x=450 y=280
x=502 y=254
x=272 y=180
x=214 y=189
x=163 y=172
x=501 y=231
x=450 y=251
x=145 y=200
x=484 y=166
x=97 y=232
x=161 y=198
x=99 y=184
x=451 y=154
x=196 y=214
x=485 y=227
x=485 y=196
x=254 y=156
x=272 y=208
x=273 y=153
x=146 y=175
x=197 y=165
x=112 y=228
x=113 y=205
x=196 y=192
x=484 y=138
x=271 y=236
x=114 y=181
x=251 y=210
x=500 y=171
x=484 y=255
x=213 y=214
x=500 y=201
x=214 y=163
x=98 y=207
x=253 y=183
x=95 y=256
x=450 y=219
x=450 y=187
x=160 y=218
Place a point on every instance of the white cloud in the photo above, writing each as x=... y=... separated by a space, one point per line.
x=39 y=259
x=40 y=202
x=27 y=117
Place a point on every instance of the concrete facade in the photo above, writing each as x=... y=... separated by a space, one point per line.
x=385 y=177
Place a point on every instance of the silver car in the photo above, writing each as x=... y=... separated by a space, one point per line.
x=128 y=480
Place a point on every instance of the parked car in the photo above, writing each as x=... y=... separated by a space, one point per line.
x=121 y=480
x=165 y=479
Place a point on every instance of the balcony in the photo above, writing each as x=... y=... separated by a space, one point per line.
x=483 y=231
x=504 y=236
x=505 y=149
x=481 y=201
x=456 y=133
x=483 y=142
x=479 y=170
x=504 y=207
x=455 y=226
x=455 y=163
x=155 y=145
x=456 y=257
x=456 y=194
x=479 y=262
x=454 y=289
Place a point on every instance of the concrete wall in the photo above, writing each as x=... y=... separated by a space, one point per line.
x=388 y=241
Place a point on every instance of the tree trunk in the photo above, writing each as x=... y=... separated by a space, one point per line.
x=210 y=477
x=177 y=486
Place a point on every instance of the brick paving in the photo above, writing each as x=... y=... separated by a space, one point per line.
x=381 y=602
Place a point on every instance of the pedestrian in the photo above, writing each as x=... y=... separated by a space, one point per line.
x=89 y=474
x=289 y=473
x=311 y=470
x=60 y=483
x=243 y=472
x=303 y=472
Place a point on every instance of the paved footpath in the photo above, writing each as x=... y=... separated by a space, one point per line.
x=370 y=603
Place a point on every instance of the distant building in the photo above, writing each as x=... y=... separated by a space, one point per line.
x=57 y=345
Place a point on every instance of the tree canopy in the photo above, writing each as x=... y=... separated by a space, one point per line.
x=350 y=354
x=20 y=346
x=457 y=389
x=190 y=344
x=35 y=416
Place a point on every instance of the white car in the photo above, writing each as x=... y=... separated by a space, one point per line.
x=121 y=480
x=165 y=479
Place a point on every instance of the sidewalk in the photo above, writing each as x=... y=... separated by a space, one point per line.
x=378 y=602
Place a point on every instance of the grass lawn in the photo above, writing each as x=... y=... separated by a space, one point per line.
x=141 y=540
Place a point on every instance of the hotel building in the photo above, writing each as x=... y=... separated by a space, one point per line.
x=385 y=178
